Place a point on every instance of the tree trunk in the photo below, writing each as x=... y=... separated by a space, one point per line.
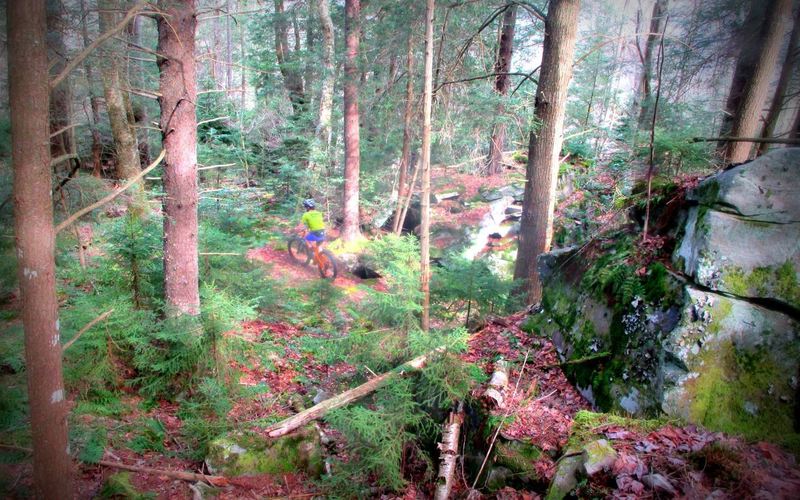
x=746 y=121
x=140 y=114
x=782 y=88
x=328 y=75
x=176 y=42
x=656 y=27
x=352 y=156
x=292 y=79
x=94 y=100
x=751 y=37
x=425 y=195
x=122 y=129
x=448 y=453
x=29 y=97
x=536 y=226
x=228 y=47
x=502 y=66
x=60 y=96
x=397 y=223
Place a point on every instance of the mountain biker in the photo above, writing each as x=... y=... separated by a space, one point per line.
x=313 y=222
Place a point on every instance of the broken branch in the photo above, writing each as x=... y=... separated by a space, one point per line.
x=86 y=328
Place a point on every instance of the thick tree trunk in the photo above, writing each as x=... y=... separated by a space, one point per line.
x=94 y=101
x=782 y=88
x=328 y=75
x=352 y=155
x=60 y=96
x=176 y=42
x=29 y=96
x=292 y=78
x=751 y=37
x=747 y=117
x=408 y=113
x=536 y=230
x=114 y=81
x=656 y=27
x=502 y=66
x=425 y=195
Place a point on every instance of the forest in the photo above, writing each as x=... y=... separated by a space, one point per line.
x=399 y=249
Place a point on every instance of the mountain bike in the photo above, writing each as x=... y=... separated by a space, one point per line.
x=303 y=252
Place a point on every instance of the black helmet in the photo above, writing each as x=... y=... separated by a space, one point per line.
x=309 y=203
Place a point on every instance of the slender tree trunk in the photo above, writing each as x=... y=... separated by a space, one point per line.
x=94 y=100
x=292 y=79
x=140 y=110
x=751 y=38
x=117 y=105
x=176 y=42
x=228 y=47
x=328 y=74
x=781 y=89
x=60 y=96
x=408 y=113
x=243 y=69
x=352 y=155
x=746 y=121
x=656 y=27
x=425 y=230
x=536 y=230
x=29 y=96
x=501 y=66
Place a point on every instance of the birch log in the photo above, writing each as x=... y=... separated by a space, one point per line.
x=448 y=452
x=497 y=384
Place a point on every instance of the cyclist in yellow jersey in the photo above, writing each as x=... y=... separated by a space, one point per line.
x=313 y=222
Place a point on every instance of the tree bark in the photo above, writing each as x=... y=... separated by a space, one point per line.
x=292 y=78
x=502 y=67
x=781 y=89
x=94 y=100
x=425 y=195
x=408 y=113
x=328 y=74
x=140 y=114
x=746 y=121
x=29 y=96
x=117 y=104
x=228 y=47
x=656 y=26
x=536 y=226
x=448 y=453
x=751 y=38
x=352 y=155
x=176 y=64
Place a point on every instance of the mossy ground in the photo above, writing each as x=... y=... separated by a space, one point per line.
x=587 y=425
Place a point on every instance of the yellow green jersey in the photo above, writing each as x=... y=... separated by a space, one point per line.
x=313 y=220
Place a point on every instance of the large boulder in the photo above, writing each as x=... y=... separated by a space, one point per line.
x=743 y=236
x=732 y=365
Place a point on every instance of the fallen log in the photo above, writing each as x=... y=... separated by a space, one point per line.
x=176 y=474
x=448 y=452
x=497 y=384
x=300 y=419
x=593 y=357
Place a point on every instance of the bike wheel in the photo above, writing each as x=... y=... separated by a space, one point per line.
x=298 y=250
x=327 y=265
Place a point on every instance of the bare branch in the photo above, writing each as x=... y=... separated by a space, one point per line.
x=136 y=9
x=80 y=213
x=58 y=159
x=86 y=328
x=219 y=118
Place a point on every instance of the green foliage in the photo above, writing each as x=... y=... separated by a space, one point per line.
x=396 y=258
x=150 y=434
x=462 y=283
x=377 y=436
x=119 y=485
x=204 y=416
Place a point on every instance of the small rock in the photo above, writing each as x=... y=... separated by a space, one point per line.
x=658 y=482
x=599 y=455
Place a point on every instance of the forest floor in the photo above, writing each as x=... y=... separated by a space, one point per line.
x=281 y=363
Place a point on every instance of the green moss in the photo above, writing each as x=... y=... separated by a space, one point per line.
x=519 y=457
x=733 y=381
x=119 y=486
x=781 y=281
x=707 y=193
x=720 y=311
x=587 y=425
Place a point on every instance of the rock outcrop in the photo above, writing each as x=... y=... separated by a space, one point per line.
x=712 y=338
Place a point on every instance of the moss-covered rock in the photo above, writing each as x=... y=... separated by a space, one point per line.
x=733 y=367
x=598 y=455
x=247 y=453
x=519 y=458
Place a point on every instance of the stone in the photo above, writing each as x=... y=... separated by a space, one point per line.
x=747 y=258
x=598 y=456
x=519 y=458
x=659 y=483
x=717 y=372
x=762 y=190
x=248 y=453
x=565 y=478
